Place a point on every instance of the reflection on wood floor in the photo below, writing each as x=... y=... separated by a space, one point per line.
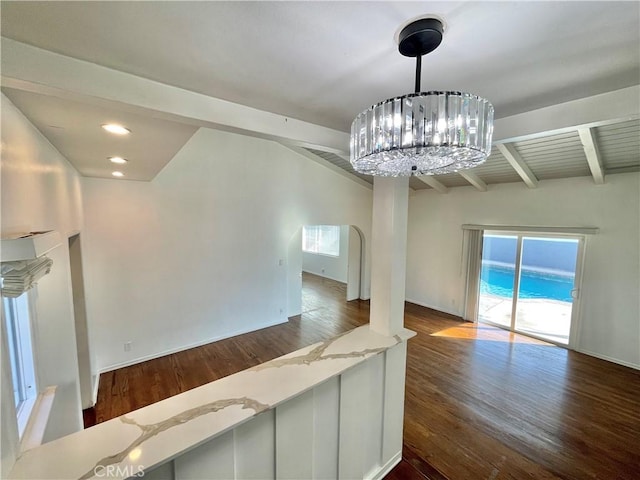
x=472 y=331
x=481 y=403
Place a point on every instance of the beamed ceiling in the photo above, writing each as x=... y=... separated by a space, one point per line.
x=567 y=101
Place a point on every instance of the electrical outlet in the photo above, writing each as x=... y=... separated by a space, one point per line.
x=127 y=346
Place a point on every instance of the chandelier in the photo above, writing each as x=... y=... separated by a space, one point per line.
x=422 y=133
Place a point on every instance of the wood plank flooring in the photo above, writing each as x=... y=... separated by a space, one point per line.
x=481 y=403
x=484 y=403
x=325 y=315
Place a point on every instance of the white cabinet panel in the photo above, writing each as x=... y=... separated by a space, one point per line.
x=213 y=460
x=353 y=389
x=294 y=438
x=374 y=408
x=255 y=448
x=326 y=399
x=393 y=401
x=163 y=472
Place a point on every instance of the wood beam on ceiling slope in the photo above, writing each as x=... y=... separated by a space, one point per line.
x=591 y=151
x=33 y=69
x=28 y=68
x=433 y=183
x=604 y=109
x=519 y=165
x=325 y=163
x=335 y=168
x=474 y=180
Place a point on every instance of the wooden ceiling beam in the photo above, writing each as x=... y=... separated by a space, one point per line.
x=433 y=183
x=28 y=68
x=597 y=110
x=588 y=139
x=519 y=165
x=474 y=180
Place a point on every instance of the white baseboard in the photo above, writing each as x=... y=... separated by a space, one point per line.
x=324 y=275
x=144 y=358
x=610 y=359
x=96 y=384
x=438 y=309
x=386 y=468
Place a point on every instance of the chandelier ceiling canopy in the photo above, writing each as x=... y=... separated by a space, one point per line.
x=422 y=133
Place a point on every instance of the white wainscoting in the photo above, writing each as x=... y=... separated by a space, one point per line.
x=333 y=410
x=333 y=431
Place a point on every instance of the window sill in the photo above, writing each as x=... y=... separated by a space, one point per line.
x=330 y=255
x=32 y=419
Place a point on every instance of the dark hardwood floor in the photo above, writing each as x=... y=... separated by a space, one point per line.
x=484 y=403
x=481 y=403
x=325 y=315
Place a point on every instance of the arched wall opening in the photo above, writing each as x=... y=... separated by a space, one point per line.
x=352 y=248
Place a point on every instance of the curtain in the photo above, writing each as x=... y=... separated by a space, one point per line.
x=473 y=263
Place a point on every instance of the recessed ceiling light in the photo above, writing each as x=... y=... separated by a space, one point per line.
x=115 y=128
x=117 y=174
x=117 y=160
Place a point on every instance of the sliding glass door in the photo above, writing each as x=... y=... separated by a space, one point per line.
x=497 y=275
x=528 y=283
x=547 y=283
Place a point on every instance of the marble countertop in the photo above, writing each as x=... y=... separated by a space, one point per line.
x=155 y=434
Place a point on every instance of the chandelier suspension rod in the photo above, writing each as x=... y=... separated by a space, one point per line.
x=418 y=72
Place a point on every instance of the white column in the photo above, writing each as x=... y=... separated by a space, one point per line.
x=388 y=254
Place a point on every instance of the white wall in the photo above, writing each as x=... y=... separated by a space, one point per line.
x=41 y=191
x=610 y=315
x=354 y=263
x=294 y=275
x=194 y=256
x=326 y=266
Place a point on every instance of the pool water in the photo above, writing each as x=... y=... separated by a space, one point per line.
x=498 y=280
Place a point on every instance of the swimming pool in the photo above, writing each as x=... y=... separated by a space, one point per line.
x=498 y=280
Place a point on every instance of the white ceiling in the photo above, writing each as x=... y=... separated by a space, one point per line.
x=75 y=130
x=324 y=62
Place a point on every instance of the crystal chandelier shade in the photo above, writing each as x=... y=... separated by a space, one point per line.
x=423 y=133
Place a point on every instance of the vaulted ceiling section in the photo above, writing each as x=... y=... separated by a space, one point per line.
x=567 y=101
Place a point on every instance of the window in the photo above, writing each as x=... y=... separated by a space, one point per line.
x=18 y=324
x=322 y=239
